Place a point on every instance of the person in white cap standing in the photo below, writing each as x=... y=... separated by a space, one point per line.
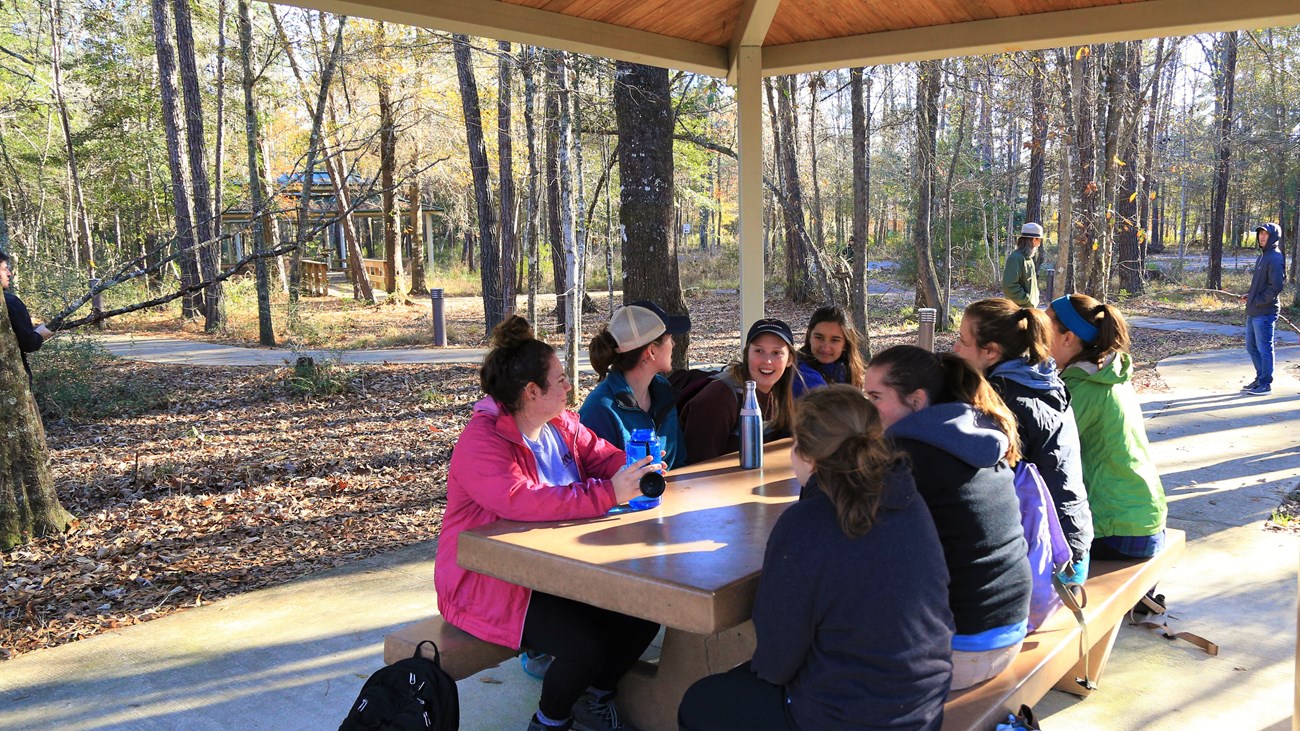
x=1020 y=276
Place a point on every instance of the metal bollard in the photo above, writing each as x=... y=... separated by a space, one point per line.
x=1050 y=271
x=439 y=318
x=925 y=335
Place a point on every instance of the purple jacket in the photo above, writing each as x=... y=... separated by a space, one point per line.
x=493 y=476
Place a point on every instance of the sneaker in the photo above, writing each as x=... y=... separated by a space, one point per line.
x=1251 y=386
x=535 y=724
x=536 y=663
x=590 y=714
x=1263 y=390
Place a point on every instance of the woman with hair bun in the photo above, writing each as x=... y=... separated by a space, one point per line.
x=524 y=457
x=631 y=356
x=1090 y=344
x=962 y=443
x=1012 y=347
x=851 y=616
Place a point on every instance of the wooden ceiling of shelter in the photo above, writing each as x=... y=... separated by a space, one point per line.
x=713 y=22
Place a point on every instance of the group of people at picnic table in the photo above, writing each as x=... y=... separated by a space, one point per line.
x=901 y=573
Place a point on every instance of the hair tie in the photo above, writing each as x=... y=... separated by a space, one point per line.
x=1073 y=321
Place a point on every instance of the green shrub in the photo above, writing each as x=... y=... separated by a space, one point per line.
x=71 y=379
x=311 y=377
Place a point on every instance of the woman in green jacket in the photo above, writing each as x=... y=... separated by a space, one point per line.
x=1090 y=343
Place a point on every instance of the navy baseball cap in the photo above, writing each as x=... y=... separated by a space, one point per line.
x=773 y=326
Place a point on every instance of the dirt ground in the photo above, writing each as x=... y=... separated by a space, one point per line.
x=237 y=481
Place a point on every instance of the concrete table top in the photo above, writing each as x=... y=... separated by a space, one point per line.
x=692 y=563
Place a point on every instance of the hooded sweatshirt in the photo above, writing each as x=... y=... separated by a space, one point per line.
x=1267 y=282
x=1124 y=489
x=494 y=476
x=856 y=629
x=956 y=456
x=1049 y=439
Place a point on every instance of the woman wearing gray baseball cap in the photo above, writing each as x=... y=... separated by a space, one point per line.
x=1020 y=276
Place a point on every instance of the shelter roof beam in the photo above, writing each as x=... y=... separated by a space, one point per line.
x=518 y=24
x=1108 y=24
x=751 y=29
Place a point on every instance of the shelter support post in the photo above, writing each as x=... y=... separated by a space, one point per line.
x=749 y=103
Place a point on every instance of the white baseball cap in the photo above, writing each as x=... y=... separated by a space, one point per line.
x=643 y=322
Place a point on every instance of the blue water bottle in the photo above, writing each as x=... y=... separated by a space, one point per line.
x=642 y=443
x=751 y=430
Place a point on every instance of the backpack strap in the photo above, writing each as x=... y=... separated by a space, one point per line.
x=1075 y=603
x=1155 y=606
x=437 y=656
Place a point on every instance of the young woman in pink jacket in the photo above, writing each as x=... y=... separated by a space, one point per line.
x=524 y=457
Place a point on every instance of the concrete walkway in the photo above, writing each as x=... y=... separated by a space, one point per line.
x=175 y=350
x=294 y=656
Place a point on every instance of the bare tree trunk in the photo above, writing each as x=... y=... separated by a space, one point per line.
x=1147 y=179
x=29 y=505
x=643 y=108
x=816 y=82
x=529 y=68
x=209 y=251
x=218 y=157
x=265 y=330
x=387 y=174
x=418 y=242
x=1038 y=138
x=1081 y=88
x=489 y=251
x=554 y=231
x=1127 y=241
x=1065 y=229
x=506 y=176
x=1224 y=63
x=800 y=260
x=861 y=122
x=929 y=78
x=190 y=304
x=572 y=254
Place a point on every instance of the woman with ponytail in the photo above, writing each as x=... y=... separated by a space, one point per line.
x=962 y=442
x=524 y=457
x=1090 y=344
x=1012 y=347
x=631 y=356
x=851 y=616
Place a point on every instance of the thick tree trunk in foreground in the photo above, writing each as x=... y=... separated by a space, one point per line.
x=489 y=252
x=643 y=106
x=29 y=506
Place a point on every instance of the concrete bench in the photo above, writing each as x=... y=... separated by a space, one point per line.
x=463 y=654
x=1052 y=657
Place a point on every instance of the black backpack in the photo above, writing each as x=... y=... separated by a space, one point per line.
x=409 y=695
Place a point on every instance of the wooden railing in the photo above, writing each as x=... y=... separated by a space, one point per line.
x=315 y=278
x=376 y=271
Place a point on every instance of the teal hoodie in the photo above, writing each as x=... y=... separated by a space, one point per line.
x=1124 y=489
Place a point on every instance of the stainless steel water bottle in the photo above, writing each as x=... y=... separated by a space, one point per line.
x=751 y=430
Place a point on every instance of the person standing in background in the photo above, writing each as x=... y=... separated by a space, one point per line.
x=1262 y=306
x=1020 y=275
x=30 y=338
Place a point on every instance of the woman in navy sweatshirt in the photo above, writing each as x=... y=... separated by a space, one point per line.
x=962 y=440
x=851 y=616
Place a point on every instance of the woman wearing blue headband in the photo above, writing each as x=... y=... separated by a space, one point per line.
x=1090 y=344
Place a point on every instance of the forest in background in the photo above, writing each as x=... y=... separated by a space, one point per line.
x=137 y=140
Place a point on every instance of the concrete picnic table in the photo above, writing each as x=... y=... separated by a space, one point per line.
x=692 y=564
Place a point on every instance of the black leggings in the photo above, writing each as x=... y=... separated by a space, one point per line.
x=735 y=701
x=592 y=648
